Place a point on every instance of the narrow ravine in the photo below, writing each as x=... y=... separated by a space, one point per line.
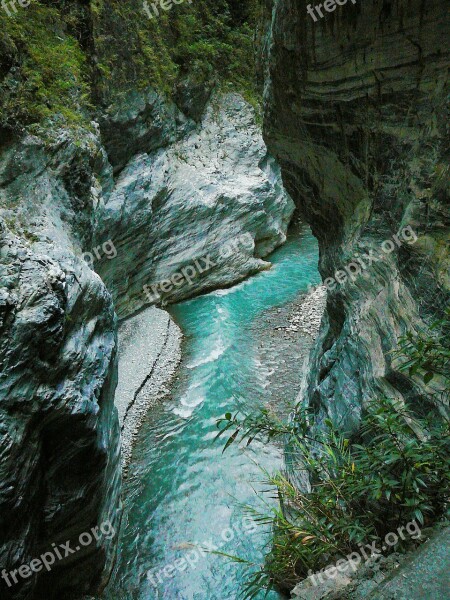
x=182 y=491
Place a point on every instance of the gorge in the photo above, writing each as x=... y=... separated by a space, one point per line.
x=302 y=144
x=181 y=492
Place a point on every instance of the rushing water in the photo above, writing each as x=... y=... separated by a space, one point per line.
x=183 y=492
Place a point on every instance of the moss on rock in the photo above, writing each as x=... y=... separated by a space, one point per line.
x=59 y=60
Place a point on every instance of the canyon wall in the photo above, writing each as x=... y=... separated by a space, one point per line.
x=89 y=217
x=355 y=113
x=114 y=140
x=101 y=133
x=60 y=444
x=194 y=215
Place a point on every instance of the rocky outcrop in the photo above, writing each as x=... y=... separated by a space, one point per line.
x=420 y=574
x=60 y=443
x=355 y=115
x=192 y=97
x=140 y=121
x=115 y=105
x=196 y=215
x=77 y=246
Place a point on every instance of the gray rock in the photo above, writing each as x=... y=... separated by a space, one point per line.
x=424 y=576
x=420 y=574
x=140 y=121
x=215 y=188
x=355 y=114
x=59 y=429
x=192 y=97
x=352 y=102
x=59 y=435
x=149 y=353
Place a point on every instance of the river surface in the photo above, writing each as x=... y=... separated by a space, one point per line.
x=182 y=496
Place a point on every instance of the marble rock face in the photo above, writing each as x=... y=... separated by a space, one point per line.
x=215 y=197
x=59 y=436
x=355 y=115
x=84 y=225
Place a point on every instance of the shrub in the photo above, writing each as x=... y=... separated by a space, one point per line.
x=47 y=74
x=59 y=58
x=395 y=470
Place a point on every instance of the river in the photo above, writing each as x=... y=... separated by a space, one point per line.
x=183 y=492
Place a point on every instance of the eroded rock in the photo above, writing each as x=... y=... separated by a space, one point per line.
x=216 y=193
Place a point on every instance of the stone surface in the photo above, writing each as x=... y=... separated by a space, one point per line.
x=309 y=315
x=316 y=589
x=140 y=121
x=149 y=352
x=192 y=97
x=61 y=212
x=420 y=574
x=284 y=350
x=59 y=434
x=195 y=199
x=424 y=576
x=355 y=116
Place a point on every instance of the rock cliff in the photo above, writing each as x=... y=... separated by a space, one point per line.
x=85 y=224
x=110 y=177
x=59 y=467
x=150 y=184
x=214 y=197
x=355 y=114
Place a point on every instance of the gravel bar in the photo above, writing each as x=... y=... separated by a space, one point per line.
x=149 y=354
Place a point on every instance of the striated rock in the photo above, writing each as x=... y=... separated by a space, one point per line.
x=213 y=202
x=141 y=121
x=215 y=197
x=59 y=434
x=355 y=115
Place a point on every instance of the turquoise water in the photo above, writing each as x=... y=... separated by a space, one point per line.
x=182 y=492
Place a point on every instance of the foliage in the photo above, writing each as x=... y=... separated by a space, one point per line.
x=395 y=470
x=203 y=40
x=44 y=69
x=59 y=58
x=427 y=355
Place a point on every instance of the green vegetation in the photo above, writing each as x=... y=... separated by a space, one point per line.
x=428 y=356
x=58 y=58
x=42 y=70
x=395 y=470
x=203 y=40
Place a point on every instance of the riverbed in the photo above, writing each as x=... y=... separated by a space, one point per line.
x=183 y=496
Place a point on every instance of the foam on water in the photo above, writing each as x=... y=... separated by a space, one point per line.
x=183 y=490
